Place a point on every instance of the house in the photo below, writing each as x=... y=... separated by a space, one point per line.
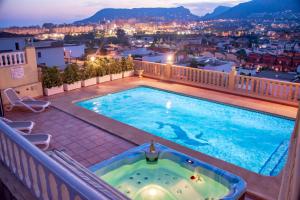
x=50 y=56
x=13 y=42
x=254 y=58
x=269 y=59
x=50 y=53
x=73 y=51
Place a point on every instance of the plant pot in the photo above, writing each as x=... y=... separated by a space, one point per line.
x=128 y=73
x=116 y=76
x=53 y=90
x=89 y=82
x=102 y=79
x=139 y=72
x=72 y=86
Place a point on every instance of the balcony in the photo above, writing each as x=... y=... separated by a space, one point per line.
x=12 y=58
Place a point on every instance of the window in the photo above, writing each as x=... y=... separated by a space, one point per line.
x=39 y=54
x=17 y=46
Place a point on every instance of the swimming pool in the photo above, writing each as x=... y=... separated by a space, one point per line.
x=253 y=140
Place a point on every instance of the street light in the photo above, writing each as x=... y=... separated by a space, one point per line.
x=170 y=59
x=93 y=58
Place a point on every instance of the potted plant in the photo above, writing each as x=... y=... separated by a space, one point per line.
x=102 y=70
x=71 y=77
x=88 y=75
x=52 y=81
x=115 y=69
x=127 y=67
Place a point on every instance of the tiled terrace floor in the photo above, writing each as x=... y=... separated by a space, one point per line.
x=85 y=143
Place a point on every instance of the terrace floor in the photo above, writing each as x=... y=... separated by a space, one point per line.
x=91 y=138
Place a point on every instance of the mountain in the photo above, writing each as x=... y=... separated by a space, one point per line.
x=217 y=11
x=142 y=14
x=247 y=9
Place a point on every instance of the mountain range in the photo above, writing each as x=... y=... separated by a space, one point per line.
x=142 y=14
x=240 y=11
x=248 y=9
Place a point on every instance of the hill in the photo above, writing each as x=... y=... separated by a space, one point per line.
x=142 y=14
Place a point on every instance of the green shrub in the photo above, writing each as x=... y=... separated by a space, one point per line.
x=51 y=77
x=88 y=71
x=102 y=67
x=115 y=66
x=71 y=74
x=126 y=64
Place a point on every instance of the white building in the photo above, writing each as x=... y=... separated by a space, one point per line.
x=13 y=42
x=50 y=53
x=73 y=50
x=50 y=56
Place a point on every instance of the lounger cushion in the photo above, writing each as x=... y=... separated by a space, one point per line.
x=38 y=138
x=36 y=103
x=20 y=125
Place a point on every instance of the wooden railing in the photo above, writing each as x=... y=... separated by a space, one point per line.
x=44 y=177
x=12 y=58
x=262 y=88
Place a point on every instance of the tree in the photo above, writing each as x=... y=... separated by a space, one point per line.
x=121 y=37
x=48 y=25
x=241 y=54
x=194 y=63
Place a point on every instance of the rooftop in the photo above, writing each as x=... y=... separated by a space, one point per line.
x=90 y=138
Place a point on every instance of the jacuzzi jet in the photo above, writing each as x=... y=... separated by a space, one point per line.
x=189 y=161
x=152 y=154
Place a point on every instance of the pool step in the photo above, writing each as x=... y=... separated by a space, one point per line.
x=270 y=167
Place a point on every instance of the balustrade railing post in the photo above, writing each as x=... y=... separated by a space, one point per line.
x=167 y=72
x=231 y=77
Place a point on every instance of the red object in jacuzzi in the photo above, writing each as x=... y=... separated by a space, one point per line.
x=193 y=177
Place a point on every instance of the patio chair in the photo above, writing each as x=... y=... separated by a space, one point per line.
x=25 y=126
x=38 y=139
x=27 y=102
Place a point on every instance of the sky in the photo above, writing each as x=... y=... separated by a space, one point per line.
x=37 y=12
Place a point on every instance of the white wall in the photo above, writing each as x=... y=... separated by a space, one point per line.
x=51 y=56
x=74 y=51
x=8 y=44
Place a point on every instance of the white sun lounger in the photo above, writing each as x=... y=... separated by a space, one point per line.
x=38 y=139
x=25 y=126
x=27 y=102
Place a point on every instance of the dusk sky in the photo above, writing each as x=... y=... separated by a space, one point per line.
x=36 y=12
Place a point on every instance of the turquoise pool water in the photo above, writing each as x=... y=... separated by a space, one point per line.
x=252 y=140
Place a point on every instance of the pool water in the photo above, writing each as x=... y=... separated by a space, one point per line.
x=252 y=140
x=165 y=180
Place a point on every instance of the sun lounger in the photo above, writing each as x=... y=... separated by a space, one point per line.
x=27 y=102
x=40 y=140
x=25 y=126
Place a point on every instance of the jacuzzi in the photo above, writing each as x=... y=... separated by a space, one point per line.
x=173 y=176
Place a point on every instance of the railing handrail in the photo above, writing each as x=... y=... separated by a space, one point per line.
x=12 y=52
x=205 y=70
x=70 y=180
x=268 y=79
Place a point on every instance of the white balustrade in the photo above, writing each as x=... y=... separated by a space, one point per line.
x=263 y=88
x=12 y=58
